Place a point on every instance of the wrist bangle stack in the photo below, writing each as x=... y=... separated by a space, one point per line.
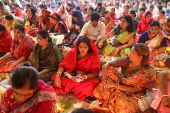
x=101 y=42
x=165 y=96
x=59 y=73
x=156 y=52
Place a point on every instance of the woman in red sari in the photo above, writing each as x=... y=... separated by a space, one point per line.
x=44 y=20
x=83 y=60
x=5 y=40
x=20 y=50
x=28 y=94
x=144 y=24
x=31 y=22
x=58 y=25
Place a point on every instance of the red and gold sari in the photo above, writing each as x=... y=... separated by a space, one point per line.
x=18 y=50
x=88 y=64
x=5 y=41
x=45 y=21
x=42 y=101
x=120 y=101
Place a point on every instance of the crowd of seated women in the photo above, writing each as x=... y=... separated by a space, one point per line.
x=136 y=37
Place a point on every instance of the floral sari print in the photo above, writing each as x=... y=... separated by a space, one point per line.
x=43 y=93
x=120 y=101
x=5 y=41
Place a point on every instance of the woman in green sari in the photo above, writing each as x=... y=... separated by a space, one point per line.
x=123 y=40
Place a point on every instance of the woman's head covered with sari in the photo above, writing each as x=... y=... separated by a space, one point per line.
x=45 y=13
x=126 y=22
x=147 y=17
x=2 y=6
x=140 y=51
x=84 y=46
x=24 y=81
x=55 y=16
x=77 y=17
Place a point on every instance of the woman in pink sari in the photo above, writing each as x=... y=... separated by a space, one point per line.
x=161 y=101
x=83 y=60
x=143 y=25
x=20 y=50
x=28 y=94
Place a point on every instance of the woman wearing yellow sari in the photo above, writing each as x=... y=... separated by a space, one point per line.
x=124 y=38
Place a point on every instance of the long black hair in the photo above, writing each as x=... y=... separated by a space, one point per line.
x=85 y=40
x=44 y=34
x=130 y=27
x=2 y=28
x=24 y=75
x=20 y=27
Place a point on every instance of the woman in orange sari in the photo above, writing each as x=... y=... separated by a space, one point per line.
x=119 y=89
x=84 y=62
x=20 y=50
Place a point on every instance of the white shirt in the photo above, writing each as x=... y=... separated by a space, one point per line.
x=118 y=12
x=93 y=32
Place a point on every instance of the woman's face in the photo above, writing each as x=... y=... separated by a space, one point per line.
x=130 y=14
x=133 y=56
x=18 y=34
x=41 y=41
x=83 y=48
x=154 y=30
x=123 y=23
x=89 y=11
x=75 y=19
x=168 y=23
x=1 y=32
x=29 y=13
x=112 y=11
x=8 y=21
x=148 y=17
x=107 y=15
x=52 y=20
x=22 y=94
x=1 y=7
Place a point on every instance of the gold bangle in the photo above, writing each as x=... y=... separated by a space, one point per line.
x=101 y=42
x=85 y=76
x=59 y=73
x=165 y=96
